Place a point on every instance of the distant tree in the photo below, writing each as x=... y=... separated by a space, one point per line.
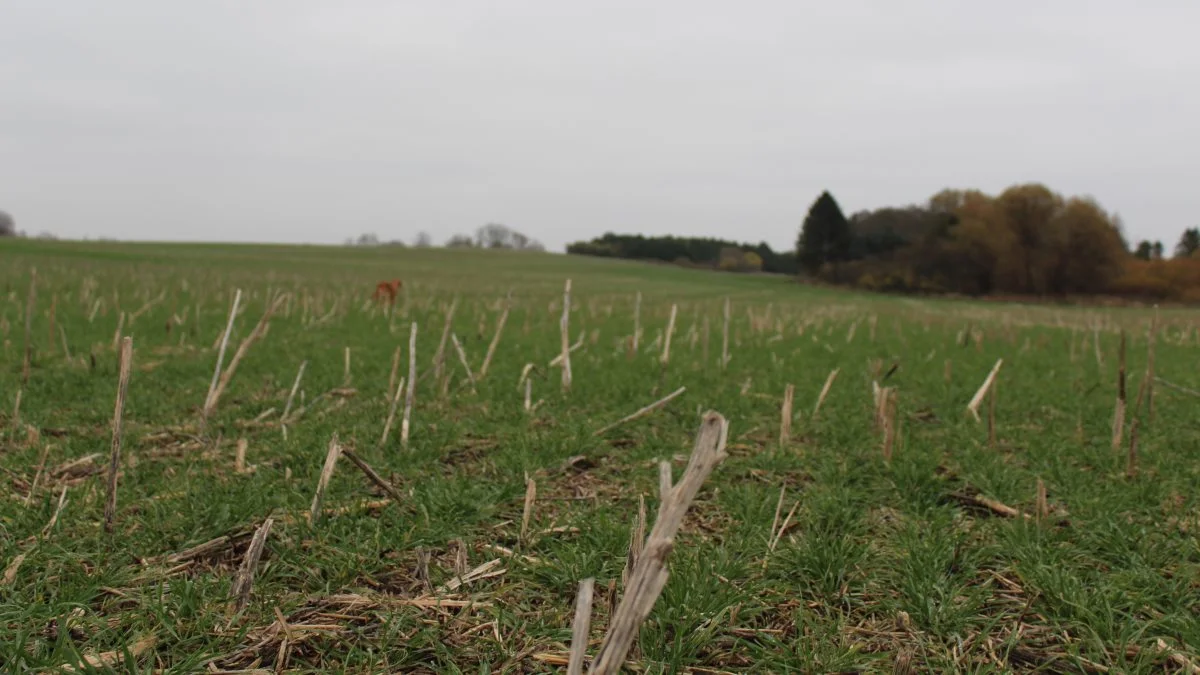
x=1028 y=240
x=1027 y=211
x=977 y=245
x=493 y=235
x=460 y=241
x=423 y=240
x=734 y=259
x=730 y=259
x=1157 y=250
x=763 y=249
x=949 y=201
x=1089 y=251
x=885 y=230
x=825 y=236
x=1144 y=250
x=367 y=239
x=1189 y=243
x=689 y=251
x=1120 y=225
x=8 y=226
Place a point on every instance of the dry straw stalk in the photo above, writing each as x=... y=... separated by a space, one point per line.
x=564 y=330
x=825 y=391
x=665 y=480
x=725 y=338
x=1151 y=343
x=331 y=458
x=889 y=422
x=527 y=511
x=976 y=400
x=109 y=660
x=991 y=415
x=239 y=458
x=287 y=407
x=405 y=421
x=637 y=321
x=372 y=475
x=259 y=330
x=666 y=352
x=640 y=413
x=462 y=358
x=244 y=581
x=637 y=536
x=1119 y=407
x=558 y=359
x=785 y=415
x=27 y=365
x=391 y=417
x=491 y=350
x=650 y=573
x=580 y=626
x=395 y=371
x=212 y=387
x=439 y=357
x=114 y=461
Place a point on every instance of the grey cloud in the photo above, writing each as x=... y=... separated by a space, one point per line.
x=310 y=121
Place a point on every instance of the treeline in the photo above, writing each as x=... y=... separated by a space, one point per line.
x=492 y=235
x=8 y=228
x=1028 y=240
x=495 y=236
x=690 y=252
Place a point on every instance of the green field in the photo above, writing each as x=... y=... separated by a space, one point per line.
x=908 y=565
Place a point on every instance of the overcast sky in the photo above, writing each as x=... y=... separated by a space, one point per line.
x=307 y=121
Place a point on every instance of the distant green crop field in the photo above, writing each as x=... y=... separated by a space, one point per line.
x=814 y=552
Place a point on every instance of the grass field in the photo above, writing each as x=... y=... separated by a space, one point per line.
x=941 y=559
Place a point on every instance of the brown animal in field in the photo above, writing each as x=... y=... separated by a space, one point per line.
x=387 y=290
